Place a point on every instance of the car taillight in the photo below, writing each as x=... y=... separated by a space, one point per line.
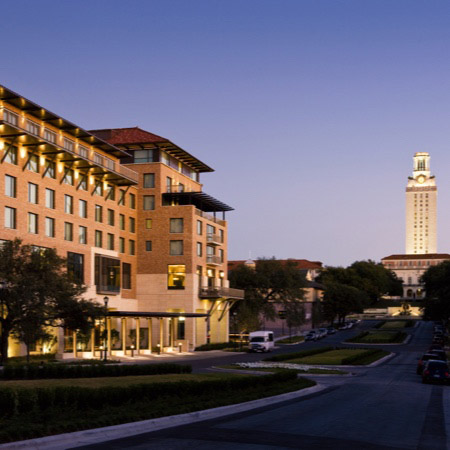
x=446 y=374
x=427 y=372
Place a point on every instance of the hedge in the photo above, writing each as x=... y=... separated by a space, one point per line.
x=17 y=401
x=295 y=355
x=216 y=346
x=34 y=371
x=355 y=358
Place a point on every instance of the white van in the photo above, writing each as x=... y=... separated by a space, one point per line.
x=261 y=341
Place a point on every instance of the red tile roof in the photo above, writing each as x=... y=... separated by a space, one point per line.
x=300 y=263
x=135 y=135
x=417 y=256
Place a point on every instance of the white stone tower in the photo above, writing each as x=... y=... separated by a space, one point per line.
x=421 y=199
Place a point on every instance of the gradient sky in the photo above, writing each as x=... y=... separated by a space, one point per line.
x=309 y=110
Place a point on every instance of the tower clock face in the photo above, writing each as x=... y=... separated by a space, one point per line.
x=421 y=179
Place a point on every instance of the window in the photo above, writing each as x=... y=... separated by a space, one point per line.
x=122 y=222
x=132 y=201
x=111 y=193
x=110 y=217
x=110 y=241
x=126 y=276
x=168 y=184
x=221 y=255
x=132 y=224
x=50 y=169
x=144 y=156
x=10 y=217
x=33 y=163
x=82 y=208
x=181 y=328
x=176 y=225
x=176 y=248
x=50 y=198
x=121 y=197
x=176 y=275
x=68 y=204
x=83 y=151
x=10 y=117
x=149 y=180
x=32 y=223
x=69 y=145
x=199 y=249
x=121 y=245
x=68 y=231
x=82 y=235
x=98 y=190
x=33 y=128
x=83 y=183
x=33 y=193
x=98 y=238
x=199 y=227
x=148 y=246
x=49 y=136
x=10 y=186
x=49 y=227
x=11 y=156
x=132 y=247
x=221 y=235
x=68 y=177
x=149 y=202
x=107 y=274
x=210 y=230
x=75 y=266
x=148 y=224
x=98 y=213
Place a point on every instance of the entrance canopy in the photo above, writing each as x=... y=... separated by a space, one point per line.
x=153 y=314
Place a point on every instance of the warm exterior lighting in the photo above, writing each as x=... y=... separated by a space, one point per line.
x=60 y=167
x=106 y=300
x=2 y=145
x=42 y=161
x=23 y=152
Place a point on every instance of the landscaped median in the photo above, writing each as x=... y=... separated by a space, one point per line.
x=379 y=337
x=34 y=408
x=395 y=324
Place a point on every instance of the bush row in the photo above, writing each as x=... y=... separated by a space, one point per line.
x=33 y=371
x=365 y=338
x=15 y=402
x=295 y=355
x=216 y=346
x=354 y=359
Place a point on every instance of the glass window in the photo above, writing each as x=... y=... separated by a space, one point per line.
x=121 y=245
x=33 y=162
x=148 y=246
x=83 y=185
x=132 y=201
x=49 y=227
x=149 y=180
x=75 y=266
x=144 y=156
x=83 y=151
x=32 y=223
x=132 y=247
x=149 y=202
x=50 y=169
x=132 y=225
x=69 y=145
x=82 y=208
x=176 y=275
x=98 y=238
x=33 y=193
x=68 y=204
x=82 y=235
x=50 y=198
x=98 y=213
x=68 y=231
x=221 y=255
x=10 y=186
x=10 y=217
x=121 y=197
x=148 y=224
x=199 y=249
x=11 y=156
x=111 y=193
x=111 y=217
x=176 y=225
x=68 y=177
x=110 y=241
x=221 y=235
x=98 y=190
x=210 y=230
x=199 y=227
x=168 y=184
x=49 y=136
x=122 y=222
x=107 y=274
x=126 y=276
x=10 y=117
x=176 y=247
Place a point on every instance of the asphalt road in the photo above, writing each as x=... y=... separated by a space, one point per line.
x=385 y=407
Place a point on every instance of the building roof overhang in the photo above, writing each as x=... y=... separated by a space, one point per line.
x=160 y=315
x=421 y=256
x=200 y=200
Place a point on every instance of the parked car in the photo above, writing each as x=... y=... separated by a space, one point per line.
x=331 y=330
x=421 y=363
x=435 y=347
x=323 y=332
x=442 y=355
x=435 y=371
x=311 y=336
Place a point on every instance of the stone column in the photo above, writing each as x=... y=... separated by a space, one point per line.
x=108 y=336
x=161 y=334
x=93 y=341
x=124 y=335
x=138 y=335
x=74 y=344
x=150 y=337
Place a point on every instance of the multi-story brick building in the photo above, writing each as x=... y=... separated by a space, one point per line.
x=66 y=188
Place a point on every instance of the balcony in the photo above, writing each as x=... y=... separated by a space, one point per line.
x=26 y=133
x=210 y=217
x=221 y=292
x=214 y=260
x=214 y=239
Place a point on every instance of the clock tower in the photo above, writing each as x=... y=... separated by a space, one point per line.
x=421 y=199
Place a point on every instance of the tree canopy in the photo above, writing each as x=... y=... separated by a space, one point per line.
x=38 y=293
x=437 y=287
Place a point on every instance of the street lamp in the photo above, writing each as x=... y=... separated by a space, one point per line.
x=105 y=356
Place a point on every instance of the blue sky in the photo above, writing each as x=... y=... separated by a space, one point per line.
x=310 y=111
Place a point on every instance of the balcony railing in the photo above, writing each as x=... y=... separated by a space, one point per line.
x=221 y=292
x=212 y=238
x=210 y=217
x=214 y=260
x=50 y=137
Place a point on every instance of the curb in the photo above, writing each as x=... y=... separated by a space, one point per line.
x=97 y=435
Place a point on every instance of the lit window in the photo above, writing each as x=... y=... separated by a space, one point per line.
x=148 y=224
x=176 y=275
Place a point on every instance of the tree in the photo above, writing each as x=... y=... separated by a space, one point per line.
x=38 y=293
x=436 y=281
x=271 y=282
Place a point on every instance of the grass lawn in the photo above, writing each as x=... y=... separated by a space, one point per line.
x=278 y=369
x=291 y=340
x=394 y=324
x=332 y=357
x=379 y=337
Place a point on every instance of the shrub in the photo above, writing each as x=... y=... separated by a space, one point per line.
x=295 y=355
x=216 y=346
x=354 y=359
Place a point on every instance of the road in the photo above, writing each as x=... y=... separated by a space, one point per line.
x=385 y=407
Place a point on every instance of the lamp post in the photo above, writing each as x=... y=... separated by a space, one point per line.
x=105 y=355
